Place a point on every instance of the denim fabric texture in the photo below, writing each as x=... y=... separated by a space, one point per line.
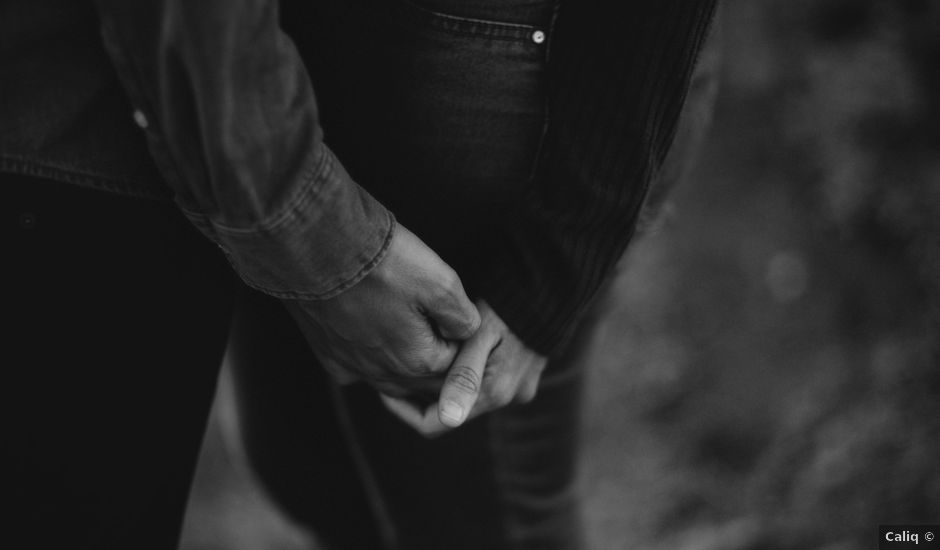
x=63 y=113
x=518 y=143
x=439 y=116
x=215 y=93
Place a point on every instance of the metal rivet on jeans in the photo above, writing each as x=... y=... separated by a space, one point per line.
x=538 y=37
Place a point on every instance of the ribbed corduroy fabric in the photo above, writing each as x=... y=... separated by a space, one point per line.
x=618 y=74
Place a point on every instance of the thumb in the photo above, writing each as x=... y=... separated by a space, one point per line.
x=464 y=380
x=452 y=311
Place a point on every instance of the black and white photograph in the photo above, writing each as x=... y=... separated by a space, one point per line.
x=470 y=274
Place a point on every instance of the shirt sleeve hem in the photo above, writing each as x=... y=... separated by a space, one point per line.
x=326 y=238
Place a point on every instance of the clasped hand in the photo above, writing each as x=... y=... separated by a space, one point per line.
x=409 y=330
x=492 y=369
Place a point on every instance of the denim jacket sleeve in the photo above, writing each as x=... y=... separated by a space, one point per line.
x=231 y=120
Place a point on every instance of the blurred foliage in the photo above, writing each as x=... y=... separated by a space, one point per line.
x=862 y=94
x=780 y=341
x=863 y=104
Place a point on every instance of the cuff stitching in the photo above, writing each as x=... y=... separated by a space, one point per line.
x=279 y=221
x=342 y=285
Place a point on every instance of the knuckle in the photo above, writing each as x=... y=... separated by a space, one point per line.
x=440 y=359
x=501 y=395
x=418 y=368
x=444 y=291
x=422 y=363
x=464 y=379
x=450 y=282
x=471 y=323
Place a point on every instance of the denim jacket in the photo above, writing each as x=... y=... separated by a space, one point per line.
x=221 y=98
x=208 y=103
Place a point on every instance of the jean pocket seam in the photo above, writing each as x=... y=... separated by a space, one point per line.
x=467 y=26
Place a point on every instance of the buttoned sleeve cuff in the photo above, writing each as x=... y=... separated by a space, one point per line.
x=325 y=238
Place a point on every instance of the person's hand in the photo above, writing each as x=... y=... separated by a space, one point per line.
x=398 y=328
x=493 y=369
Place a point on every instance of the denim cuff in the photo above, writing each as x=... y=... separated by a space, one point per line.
x=325 y=239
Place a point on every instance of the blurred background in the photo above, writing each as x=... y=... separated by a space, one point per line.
x=769 y=377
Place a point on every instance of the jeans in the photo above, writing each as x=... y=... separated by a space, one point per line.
x=439 y=117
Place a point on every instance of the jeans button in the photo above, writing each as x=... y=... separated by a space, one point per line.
x=538 y=37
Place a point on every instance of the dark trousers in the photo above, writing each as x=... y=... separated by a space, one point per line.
x=116 y=315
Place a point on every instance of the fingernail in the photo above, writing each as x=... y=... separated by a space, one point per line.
x=452 y=412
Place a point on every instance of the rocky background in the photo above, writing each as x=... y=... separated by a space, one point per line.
x=769 y=377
